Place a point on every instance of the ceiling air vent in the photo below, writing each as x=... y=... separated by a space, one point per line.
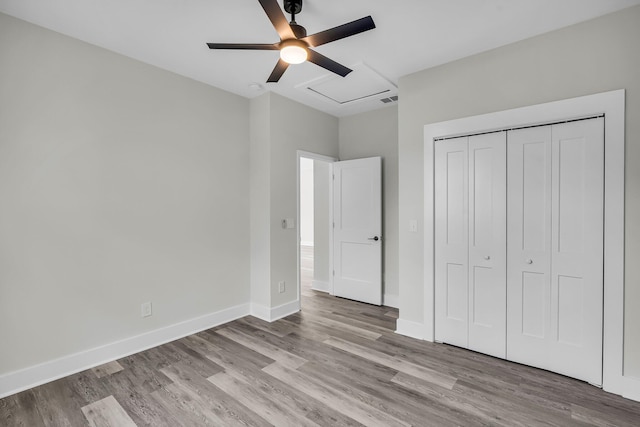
x=390 y=99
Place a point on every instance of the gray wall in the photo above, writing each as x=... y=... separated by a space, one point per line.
x=259 y=194
x=595 y=56
x=306 y=201
x=282 y=127
x=120 y=183
x=370 y=134
x=322 y=223
x=293 y=127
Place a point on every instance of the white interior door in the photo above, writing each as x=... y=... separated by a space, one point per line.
x=488 y=244
x=529 y=241
x=452 y=241
x=555 y=243
x=470 y=242
x=358 y=230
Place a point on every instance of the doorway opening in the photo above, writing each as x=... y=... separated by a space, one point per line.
x=315 y=224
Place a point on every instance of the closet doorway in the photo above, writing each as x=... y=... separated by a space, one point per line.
x=609 y=105
x=519 y=245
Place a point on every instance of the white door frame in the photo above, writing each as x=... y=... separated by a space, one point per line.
x=612 y=105
x=309 y=155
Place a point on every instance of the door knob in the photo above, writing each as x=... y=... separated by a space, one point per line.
x=529 y=261
x=487 y=257
x=375 y=238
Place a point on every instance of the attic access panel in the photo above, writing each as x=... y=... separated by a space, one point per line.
x=361 y=84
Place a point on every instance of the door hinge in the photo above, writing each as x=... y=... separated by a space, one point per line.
x=334 y=272
x=333 y=176
x=334 y=225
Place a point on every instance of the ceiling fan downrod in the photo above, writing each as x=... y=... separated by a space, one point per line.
x=294 y=7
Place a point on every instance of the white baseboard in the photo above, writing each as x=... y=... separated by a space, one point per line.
x=272 y=314
x=389 y=300
x=33 y=376
x=410 y=329
x=631 y=388
x=262 y=312
x=319 y=285
x=285 y=310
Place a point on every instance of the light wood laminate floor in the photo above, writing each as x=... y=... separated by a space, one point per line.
x=337 y=363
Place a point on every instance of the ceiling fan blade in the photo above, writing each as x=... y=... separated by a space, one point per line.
x=328 y=64
x=352 y=28
x=277 y=18
x=243 y=46
x=278 y=71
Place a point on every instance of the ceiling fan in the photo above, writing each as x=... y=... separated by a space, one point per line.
x=295 y=46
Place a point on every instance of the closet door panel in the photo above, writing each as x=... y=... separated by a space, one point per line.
x=528 y=245
x=487 y=243
x=532 y=183
x=555 y=246
x=577 y=248
x=534 y=294
x=455 y=293
x=451 y=241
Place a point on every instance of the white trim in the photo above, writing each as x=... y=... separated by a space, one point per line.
x=390 y=300
x=306 y=243
x=319 y=285
x=262 y=312
x=33 y=376
x=611 y=104
x=284 y=310
x=631 y=388
x=410 y=329
x=309 y=155
x=331 y=221
x=272 y=314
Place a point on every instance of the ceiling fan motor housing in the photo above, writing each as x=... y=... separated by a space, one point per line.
x=293 y=6
x=298 y=30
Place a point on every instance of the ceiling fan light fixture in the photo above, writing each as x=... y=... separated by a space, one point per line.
x=293 y=51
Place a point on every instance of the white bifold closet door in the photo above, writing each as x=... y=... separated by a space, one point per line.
x=555 y=248
x=470 y=234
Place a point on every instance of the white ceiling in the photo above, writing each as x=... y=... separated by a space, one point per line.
x=411 y=35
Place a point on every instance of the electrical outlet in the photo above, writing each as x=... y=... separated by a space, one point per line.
x=145 y=309
x=281 y=286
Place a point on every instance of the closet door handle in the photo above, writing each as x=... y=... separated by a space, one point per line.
x=529 y=261
x=487 y=257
